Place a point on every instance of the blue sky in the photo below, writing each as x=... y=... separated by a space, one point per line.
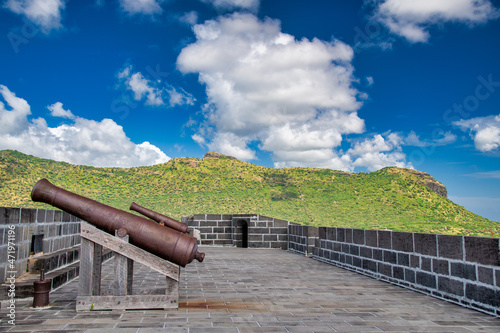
x=347 y=85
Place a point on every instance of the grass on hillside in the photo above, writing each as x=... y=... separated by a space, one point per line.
x=391 y=198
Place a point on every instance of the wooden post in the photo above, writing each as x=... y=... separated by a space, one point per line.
x=89 y=297
x=90 y=261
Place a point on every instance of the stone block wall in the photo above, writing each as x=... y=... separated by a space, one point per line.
x=241 y=230
x=461 y=269
x=302 y=238
x=60 y=231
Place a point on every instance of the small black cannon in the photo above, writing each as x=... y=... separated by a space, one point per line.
x=159 y=240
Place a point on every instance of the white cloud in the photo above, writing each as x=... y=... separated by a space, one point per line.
x=56 y=110
x=439 y=138
x=190 y=18
x=232 y=145
x=140 y=86
x=484 y=130
x=412 y=19
x=88 y=142
x=46 y=14
x=294 y=97
x=487 y=174
x=154 y=92
x=252 y=5
x=146 y=7
x=379 y=152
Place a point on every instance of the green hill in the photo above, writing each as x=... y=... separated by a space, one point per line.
x=391 y=198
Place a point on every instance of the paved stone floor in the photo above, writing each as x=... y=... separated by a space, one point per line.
x=258 y=290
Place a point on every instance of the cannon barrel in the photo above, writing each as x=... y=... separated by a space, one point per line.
x=164 y=242
x=160 y=218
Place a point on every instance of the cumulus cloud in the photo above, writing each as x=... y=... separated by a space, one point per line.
x=484 y=130
x=153 y=92
x=46 y=14
x=88 y=142
x=145 y=7
x=252 y=5
x=379 y=152
x=412 y=19
x=293 y=97
x=56 y=110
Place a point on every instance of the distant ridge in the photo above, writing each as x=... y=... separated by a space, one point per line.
x=211 y=155
x=390 y=198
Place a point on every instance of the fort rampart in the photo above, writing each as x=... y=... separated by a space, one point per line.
x=461 y=269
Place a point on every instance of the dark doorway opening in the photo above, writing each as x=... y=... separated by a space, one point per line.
x=241 y=234
x=36 y=244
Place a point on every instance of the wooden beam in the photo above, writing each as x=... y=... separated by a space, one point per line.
x=129 y=302
x=130 y=251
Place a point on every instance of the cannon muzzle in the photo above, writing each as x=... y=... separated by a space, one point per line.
x=160 y=218
x=166 y=243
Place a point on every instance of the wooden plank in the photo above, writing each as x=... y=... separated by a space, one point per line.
x=120 y=281
x=172 y=286
x=86 y=262
x=129 y=302
x=121 y=271
x=135 y=253
x=130 y=276
x=96 y=269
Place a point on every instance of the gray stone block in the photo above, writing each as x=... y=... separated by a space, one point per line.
x=451 y=246
x=49 y=216
x=28 y=215
x=40 y=215
x=402 y=241
x=410 y=275
x=398 y=272
x=354 y=250
x=426 y=264
x=213 y=217
x=371 y=238
x=340 y=235
x=384 y=239
x=482 y=294
x=426 y=280
x=483 y=250
x=280 y=223
x=485 y=275
x=199 y=217
x=9 y=215
x=269 y=238
x=425 y=244
x=348 y=235
x=312 y=232
x=403 y=259
x=331 y=233
x=390 y=257
x=440 y=266
x=385 y=269
x=450 y=286
x=358 y=236
x=369 y=265
x=366 y=252
x=322 y=233
x=463 y=270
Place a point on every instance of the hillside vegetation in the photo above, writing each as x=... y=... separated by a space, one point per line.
x=391 y=198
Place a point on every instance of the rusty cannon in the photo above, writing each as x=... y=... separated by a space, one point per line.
x=159 y=240
x=160 y=218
